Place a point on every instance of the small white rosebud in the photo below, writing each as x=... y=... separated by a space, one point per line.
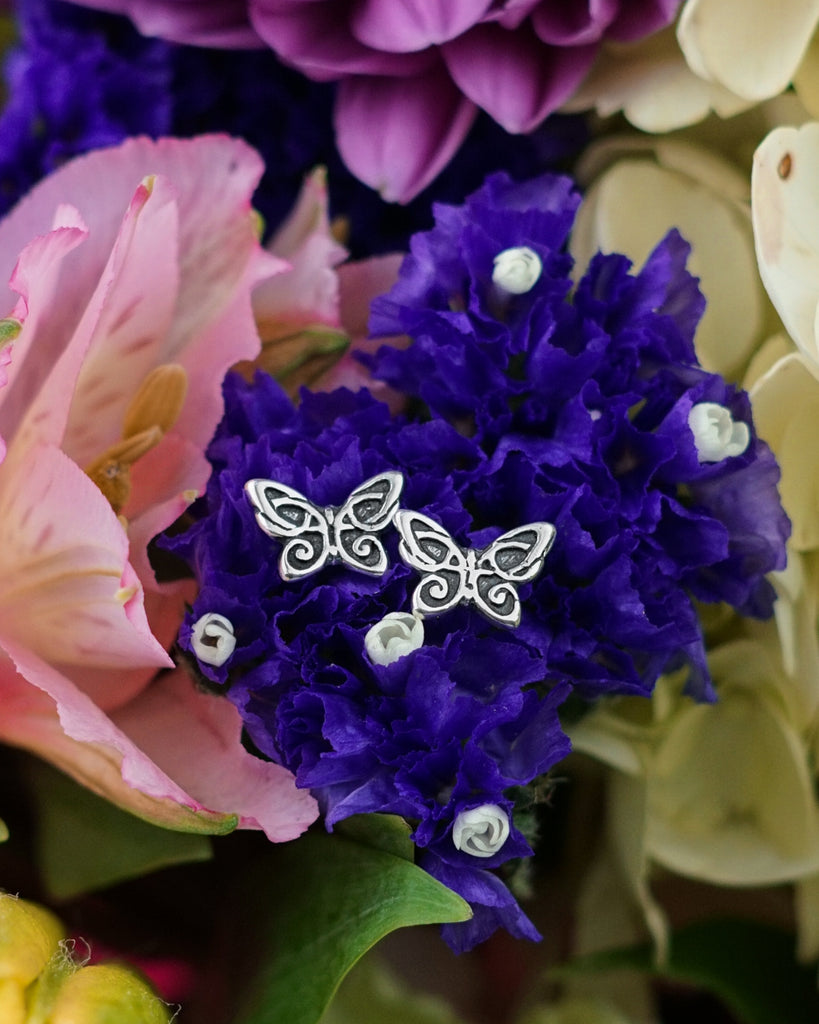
x=516 y=270
x=397 y=634
x=212 y=639
x=716 y=434
x=481 y=831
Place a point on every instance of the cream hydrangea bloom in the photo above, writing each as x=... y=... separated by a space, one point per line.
x=723 y=56
x=723 y=793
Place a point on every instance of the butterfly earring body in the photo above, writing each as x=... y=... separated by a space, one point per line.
x=316 y=536
x=487 y=578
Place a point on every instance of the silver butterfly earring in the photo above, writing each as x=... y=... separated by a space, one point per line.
x=316 y=536
x=487 y=578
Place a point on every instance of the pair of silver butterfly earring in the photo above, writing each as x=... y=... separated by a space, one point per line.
x=348 y=534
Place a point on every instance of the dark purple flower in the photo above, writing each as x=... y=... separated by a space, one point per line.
x=533 y=399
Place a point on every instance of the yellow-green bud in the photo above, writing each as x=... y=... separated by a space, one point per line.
x=29 y=937
x=107 y=994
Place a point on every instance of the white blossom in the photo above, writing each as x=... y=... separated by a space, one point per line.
x=397 y=634
x=717 y=434
x=212 y=639
x=481 y=831
x=516 y=270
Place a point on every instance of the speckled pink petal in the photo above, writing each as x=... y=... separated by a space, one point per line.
x=44 y=713
x=403 y=26
x=359 y=283
x=196 y=739
x=515 y=77
x=67 y=590
x=35 y=280
x=398 y=134
x=163 y=483
x=307 y=292
x=132 y=309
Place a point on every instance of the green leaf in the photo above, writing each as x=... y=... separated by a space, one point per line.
x=85 y=843
x=387 y=832
x=750 y=966
x=327 y=900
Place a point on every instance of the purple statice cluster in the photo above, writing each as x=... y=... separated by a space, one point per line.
x=78 y=79
x=529 y=398
x=75 y=81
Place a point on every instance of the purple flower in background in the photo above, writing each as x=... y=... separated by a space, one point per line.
x=74 y=85
x=123 y=84
x=413 y=75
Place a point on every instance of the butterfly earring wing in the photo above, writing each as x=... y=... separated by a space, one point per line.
x=427 y=547
x=370 y=507
x=513 y=558
x=285 y=514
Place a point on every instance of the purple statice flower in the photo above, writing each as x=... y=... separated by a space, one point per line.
x=75 y=82
x=581 y=399
x=530 y=398
x=414 y=75
x=454 y=727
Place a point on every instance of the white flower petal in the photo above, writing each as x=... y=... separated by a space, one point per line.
x=396 y=635
x=751 y=47
x=481 y=831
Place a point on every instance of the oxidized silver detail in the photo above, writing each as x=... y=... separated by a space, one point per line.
x=316 y=536
x=487 y=578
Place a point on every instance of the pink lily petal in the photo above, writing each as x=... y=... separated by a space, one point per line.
x=359 y=283
x=403 y=26
x=164 y=482
x=316 y=39
x=43 y=712
x=221 y=24
x=308 y=292
x=35 y=278
x=520 y=92
x=67 y=591
x=397 y=134
x=574 y=24
x=211 y=764
x=125 y=318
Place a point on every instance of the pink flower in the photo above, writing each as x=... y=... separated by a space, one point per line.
x=313 y=319
x=414 y=73
x=129 y=300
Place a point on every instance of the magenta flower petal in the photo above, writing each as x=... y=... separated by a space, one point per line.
x=315 y=37
x=403 y=26
x=639 y=18
x=574 y=24
x=397 y=134
x=214 y=23
x=514 y=76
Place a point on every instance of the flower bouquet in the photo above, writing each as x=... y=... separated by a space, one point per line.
x=408 y=515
